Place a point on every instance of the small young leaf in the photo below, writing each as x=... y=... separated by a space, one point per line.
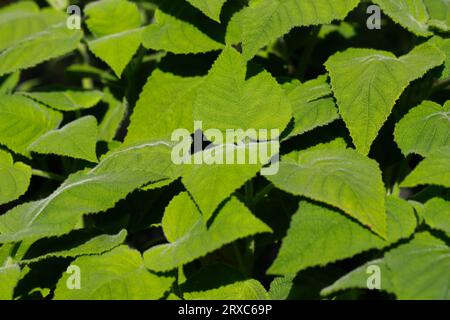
x=411 y=14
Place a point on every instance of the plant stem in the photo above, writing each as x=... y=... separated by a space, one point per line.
x=48 y=175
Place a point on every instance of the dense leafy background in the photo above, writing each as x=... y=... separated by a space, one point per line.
x=86 y=177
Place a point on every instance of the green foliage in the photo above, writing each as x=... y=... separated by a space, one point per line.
x=92 y=119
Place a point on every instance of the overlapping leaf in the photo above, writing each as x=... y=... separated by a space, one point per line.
x=311 y=105
x=242 y=290
x=339 y=177
x=116 y=43
x=210 y=8
x=87 y=191
x=219 y=168
x=96 y=245
x=264 y=21
x=437 y=214
x=67 y=100
x=227 y=100
x=424 y=129
x=432 y=170
x=175 y=35
x=22 y=121
x=233 y=221
x=77 y=139
x=417 y=270
x=165 y=104
x=318 y=235
x=411 y=14
x=367 y=83
x=55 y=41
x=14 y=178
x=115 y=275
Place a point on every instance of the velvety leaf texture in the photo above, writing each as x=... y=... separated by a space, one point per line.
x=367 y=83
x=225 y=150
x=233 y=221
x=115 y=275
x=339 y=177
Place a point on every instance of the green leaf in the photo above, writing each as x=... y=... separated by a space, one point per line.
x=240 y=103
x=420 y=268
x=265 y=20
x=53 y=42
x=368 y=82
x=319 y=235
x=411 y=14
x=437 y=214
x=67 y=100
x=233 y=221
x=87 y=191
x=22 y=121
x=312 y=105
x=444 y=46
x=170 y=99
x=113 y=118
x=14 y=178
x=9 y=83
x=432 y=170
x=106 y=17
x=76 y=139
x=222 y=177
x=358 y=279
x=424 y=129
x=94 y=246
x=439 y=11
x=339 y=177
x=211 y=8
x=243 y=290
x=21 y=20
x=176 y=225
x=115 y=275
x=9 y=276
x=177 y=36
x=281 y=287
x=117 y=49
